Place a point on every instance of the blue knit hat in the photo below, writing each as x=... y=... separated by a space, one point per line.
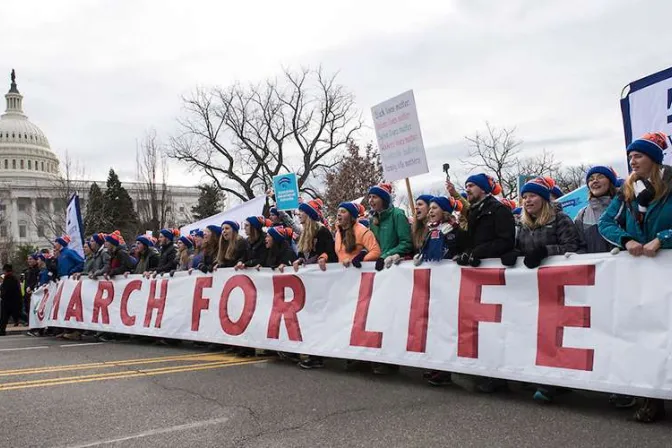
x=351 y=207
x=485 y=183
x=517 y=211
x=444 y=203
x=217 y=230
x=274 y=211
x=169 y=234
x=606 y=171
x=234 y=225
x=99 y=238
x=63 y=240
x=426 y=198
x=383 y=191
x=196 y=233
x=537 y=186
x=557 y=192
x=309 y=208
x=652 y=145
x=187 y=241
x=279 y=233
x=258 y=222
x=144 y=239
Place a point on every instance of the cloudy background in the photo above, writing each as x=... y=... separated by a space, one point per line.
x=97 y=75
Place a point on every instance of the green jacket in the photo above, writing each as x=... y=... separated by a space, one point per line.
x=393 y=232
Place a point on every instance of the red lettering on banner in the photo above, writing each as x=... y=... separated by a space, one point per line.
x=249 y=295
x=419 y=315
x=131 y=287
x=57 y=301
x=100 y=304
x=156 y=303
x=75 y=306
x=554 y=316
x=286 y=310
x=43 y=305
x=472 y=311
x=359 y=335
x=200 y=302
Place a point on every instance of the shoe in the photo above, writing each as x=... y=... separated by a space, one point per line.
x=427 y=374
x=385 y=369
x=542 y=397
x=311 y=363
x=439 y=379
x=649 y=410
x=34 y=333
x=103 y=338
x=74 y=336
x=490 y=385
x=622 y=401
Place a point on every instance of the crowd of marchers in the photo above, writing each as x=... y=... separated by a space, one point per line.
x=633 y=215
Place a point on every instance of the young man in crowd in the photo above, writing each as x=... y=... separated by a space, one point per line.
x=168 y=258
x=10 y=298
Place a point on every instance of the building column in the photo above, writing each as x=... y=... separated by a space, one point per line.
x=34 y=220
x=15 y=219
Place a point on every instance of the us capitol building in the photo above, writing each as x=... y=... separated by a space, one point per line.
x=31 y=185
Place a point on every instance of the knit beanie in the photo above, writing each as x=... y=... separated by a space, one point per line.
x=383 y=191
x=114 y=238
x=280 y=234
x=170 y=234
x=187 y=241
x=259 y=222
x=447 y=204
x=426 y=198
x=216 y=230
x=485 y=183
x=651 y=144
x=144 y=239
x=234 y=225
x=538 y=186
x=63 y=241
x=606 y=171
x=351 y=208
x=312 y=209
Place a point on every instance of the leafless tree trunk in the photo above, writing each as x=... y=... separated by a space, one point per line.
x=572 y=177
x=154 y=204
x=241 y=137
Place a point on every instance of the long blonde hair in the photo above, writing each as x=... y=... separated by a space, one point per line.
x=227 y=249
x=546 y=215
x=656 y=180
x=184 y=255
x=308 y=233
x=419 y=232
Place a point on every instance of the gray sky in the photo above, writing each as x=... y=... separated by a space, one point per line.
x=96 y=75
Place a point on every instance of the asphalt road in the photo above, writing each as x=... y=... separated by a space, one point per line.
x=55 y=393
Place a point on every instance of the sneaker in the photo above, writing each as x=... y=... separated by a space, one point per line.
x=622 y=401
x=291 y=357
x=34 y=332
x=311 y=363
x=649 y=410
x=541 y=396
x=439 y=379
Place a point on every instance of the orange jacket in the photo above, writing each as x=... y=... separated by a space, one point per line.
x=365 y=240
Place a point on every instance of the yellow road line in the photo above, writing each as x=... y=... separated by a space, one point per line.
x=105 y=364
x=121 y=375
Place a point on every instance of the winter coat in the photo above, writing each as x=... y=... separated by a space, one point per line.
x=101 y=260
x=69 y=262
x=32 y=278
x=323 y=245
x=88 y=264
x=279 y=254
x=393 y=232
x=441 y=242
x=168 y=258
x=618 y=224
x=586 y=224
x=490 y=229
x=44 y=276
x=120 y=262
x=185 y=266
x=365 y=239
x=147 y=261
x=240 y=254
x=257 y=252
x=558 y=236
x=10 y=290
x=197 y=259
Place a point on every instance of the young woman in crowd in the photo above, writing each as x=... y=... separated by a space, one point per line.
x=543 y=232
x=233 y=248
x=209 y=249
x=354 y=243
x=419 y=227
x=639 y=220
x=602 y=183
x=197 y=235
x=279 y=254
x=185 y=246
x=148 y=256
x=390 y=226
x=256 y=239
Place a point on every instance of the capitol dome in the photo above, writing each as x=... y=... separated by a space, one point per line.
x=24 y=149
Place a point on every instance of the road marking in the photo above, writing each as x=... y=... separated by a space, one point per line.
x=22 y=348
x=204 y=356
x=121 y=375
x=81 y=345
x=155 y=432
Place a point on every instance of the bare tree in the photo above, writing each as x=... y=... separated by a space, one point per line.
x=154 y=203
x=241 y=137
x=572 y=177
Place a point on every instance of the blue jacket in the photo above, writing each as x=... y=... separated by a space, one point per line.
x=618 y=224
x=69 y=262
x=44 y=276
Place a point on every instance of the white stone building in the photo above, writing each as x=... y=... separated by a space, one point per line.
x=31 y=192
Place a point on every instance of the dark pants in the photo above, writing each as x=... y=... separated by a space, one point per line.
x=7 y=310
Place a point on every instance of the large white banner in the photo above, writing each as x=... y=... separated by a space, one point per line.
x=598 y=322
x=402 y=152
x=647 y=107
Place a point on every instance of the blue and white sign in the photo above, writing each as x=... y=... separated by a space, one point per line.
x=574 y=201
x=647 y=107
x=286 y=189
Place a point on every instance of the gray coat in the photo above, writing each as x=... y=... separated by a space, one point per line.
x=559 y=236
x=586 y=224
x=100 y=262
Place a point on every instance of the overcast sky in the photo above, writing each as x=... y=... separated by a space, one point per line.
x=97 y=74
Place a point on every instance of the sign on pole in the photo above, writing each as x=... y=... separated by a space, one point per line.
x=286 y=189
x=647 y=107
x=402 y=152
x=73 y=225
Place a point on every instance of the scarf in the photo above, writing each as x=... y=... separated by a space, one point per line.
x=595 y=208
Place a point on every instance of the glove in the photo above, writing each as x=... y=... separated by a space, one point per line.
x=535 y=257
x=417 y=260
x=380 y=264
x=357 y=261
x=509 y=259
x=462 y=259
x=203 y=268
x=474 y=262
x=171 y=273
x=392 y=259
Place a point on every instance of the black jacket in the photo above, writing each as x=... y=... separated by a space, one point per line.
x=168 y=258
x=147 y=261
x=559 y=237
x=490 y=230
x=120 y=262
x=324 y=244
x=257 y=253
x=240 y=253
x=279 y=254
x=10 y=290
x=32 y=278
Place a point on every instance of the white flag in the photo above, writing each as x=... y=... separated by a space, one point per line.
x=73 y=225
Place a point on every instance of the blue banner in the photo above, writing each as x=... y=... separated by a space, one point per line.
x=574 y=201
x=286 y=191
